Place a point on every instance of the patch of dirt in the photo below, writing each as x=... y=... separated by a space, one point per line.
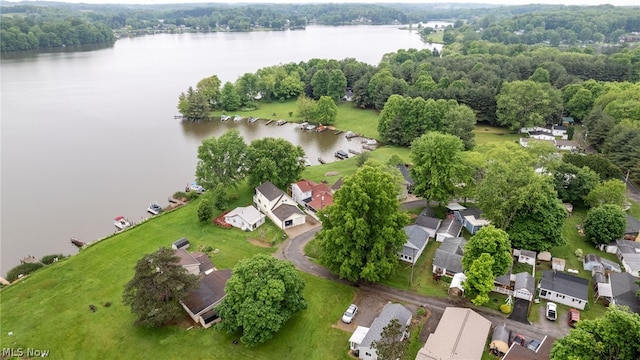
x=369 y=306
x=259 y=243
x=331 y=173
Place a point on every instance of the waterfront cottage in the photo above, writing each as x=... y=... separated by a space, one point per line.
x=278 y=206
x=247 y=218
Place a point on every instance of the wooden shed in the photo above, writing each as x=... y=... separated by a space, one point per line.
x=500 y=340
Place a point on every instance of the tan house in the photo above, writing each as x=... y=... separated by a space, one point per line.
x=461 y=335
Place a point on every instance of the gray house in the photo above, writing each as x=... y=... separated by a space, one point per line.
x=200 y=302
x=591 y=260
x=565 y=289
x=448 y=257
x=624 y=289
x=417 y=239
x=361 y=341
x=430 y=224
x=629 y=254
x=632 y=228
x=450 y=228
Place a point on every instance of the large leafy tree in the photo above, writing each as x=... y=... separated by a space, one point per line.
x=480 y=279
x=158 y=285
x=221 y=160
x=193 y=105
x=596 y=162
x=326 y=111
x=573 y=184
x=210 y=88
x=229 y=98
x=329 y=82
x=492 y=241
x=527 y=103
x=460 y=120
x=276 y=160
x=262 y=295
x=363 y=230
x=437 y=165
x=391 y=345
x=607 y=192
x=247 y=87
x=616 y=335
x=538 y=223
x=605 y=224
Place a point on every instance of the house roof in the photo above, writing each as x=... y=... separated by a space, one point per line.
x=528 y=253
x=186 y=258
x=559 y=127
x=624 y=289
x=284 y=211
x=628 y=246
x=472 y=211
x=517 y=352
x=566 y=143
x=321 y=196
x=538 y=132
x=204 y=260
x=417 y=238
x=544 y=256
x=248 y=214
x=454 y=206
x=524 y=280
x=181 y=242
x=404 y=170
x=567 y=119
x=359 y=335
x=210 y=291
x=447 y=260
x=591 y=260
x=633 y=225
x=566 y=284
x=388 y=313
x=429 y=223
x=558 y=261
x=270 y=191
x=452 y=227
x=305 y=185
x=461 y=334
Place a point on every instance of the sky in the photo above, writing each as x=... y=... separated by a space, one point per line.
x=505 y=2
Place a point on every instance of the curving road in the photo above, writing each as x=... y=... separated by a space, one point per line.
x=293 y=250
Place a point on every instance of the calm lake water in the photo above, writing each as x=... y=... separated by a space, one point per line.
x=90 y=135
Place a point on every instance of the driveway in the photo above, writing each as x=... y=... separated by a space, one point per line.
x=520 y=311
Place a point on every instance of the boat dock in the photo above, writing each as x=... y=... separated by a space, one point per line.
x=338 y=132
x=321 y=161
x=268 y=122
x=354 y=152
x=281 y=122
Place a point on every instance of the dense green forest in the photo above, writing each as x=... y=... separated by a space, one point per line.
x=42 y=25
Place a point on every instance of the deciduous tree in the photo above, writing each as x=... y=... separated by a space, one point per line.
x=605 y=224
x=157 y=287
x=210 y=88
x=363 y=230
x=573 y=184
x=607 y=192
x=262 y=295
x=480 y=279
x=326 y=111
x=221 y=160
x=495 y=243
x=527 y=103
x=616 y=335
x=437 y=165
x=276 y=160
x=229 y=98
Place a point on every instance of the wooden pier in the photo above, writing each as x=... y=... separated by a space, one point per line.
x=321 y=161
x=281 y=122
x=354 y=152
x=268 y=122
x=338 y=132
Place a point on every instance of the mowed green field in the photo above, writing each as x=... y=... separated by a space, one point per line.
x=50 y=309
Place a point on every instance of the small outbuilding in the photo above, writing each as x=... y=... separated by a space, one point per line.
x=544 y=256
x=557 y=264
x=180 y=244
x=500 y=340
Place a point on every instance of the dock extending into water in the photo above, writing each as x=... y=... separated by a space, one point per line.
x=268 y=122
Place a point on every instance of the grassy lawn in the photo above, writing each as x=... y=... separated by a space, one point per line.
x=350 y=118
x=485 y=134
x=435 y=37
x=49 y=309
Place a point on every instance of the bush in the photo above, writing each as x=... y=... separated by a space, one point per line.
x=23 y=269
x=50 y=259
x=420 y=311
x=505 y=308
x=205 y=210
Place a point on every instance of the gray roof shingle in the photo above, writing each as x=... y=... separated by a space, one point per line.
x=417 y=238
x=624 y=288
x=283 y=211
x=210 y=291
x=566 y=284
x=633 y=225
x=270 y=191
x=388 y=313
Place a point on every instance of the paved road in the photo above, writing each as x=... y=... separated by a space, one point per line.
x=293 y=250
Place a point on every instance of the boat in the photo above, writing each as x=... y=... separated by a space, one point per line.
x=309 y=127
x=224 y=117
x=281 y=122
x=237 y=118
x=350 y=134
x=121 y=223
x=195 y=187
x=77 y=242
x=372 y=142
x=321 y=128
x=252 y=120
x=154 y=208
x=303 y=125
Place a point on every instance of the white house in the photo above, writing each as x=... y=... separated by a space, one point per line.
x=541 y=135
x=564 y=288
x=311 y=196
x=278 y=206
x=247 y=218
x=524 y=142
x=629 y=254
x=560 y=131
x=525 y=256
x=566 y=145
x=526 y=130
x=417 y=239
x=390 y=311
x=302 y=191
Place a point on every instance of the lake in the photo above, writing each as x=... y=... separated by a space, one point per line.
x=90 y=135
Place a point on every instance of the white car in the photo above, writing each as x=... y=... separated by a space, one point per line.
x=350 y=313
x=552 y=311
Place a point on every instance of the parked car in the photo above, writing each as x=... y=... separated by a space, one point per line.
x=574 y=317
x=517 y=338
x=350 y=314
x=552 y=311
x=534 y=344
